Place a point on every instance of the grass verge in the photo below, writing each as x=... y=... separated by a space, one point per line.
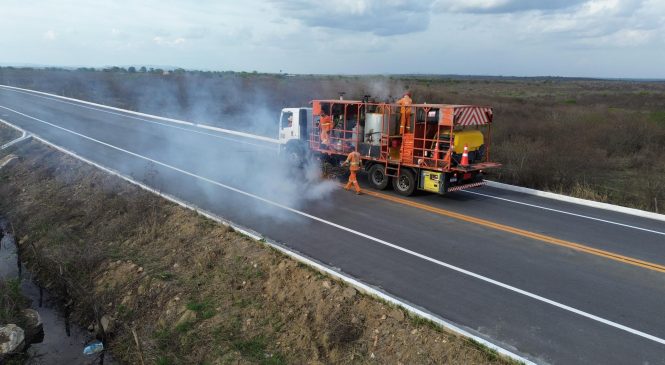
x=7 y=134
x=195 y=291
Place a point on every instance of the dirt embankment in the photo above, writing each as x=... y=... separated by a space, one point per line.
x=7 y=134
x=192 y=290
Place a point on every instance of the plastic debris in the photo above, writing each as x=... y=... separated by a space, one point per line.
x=93 y=348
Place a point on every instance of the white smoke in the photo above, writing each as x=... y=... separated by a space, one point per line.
x=231 y=102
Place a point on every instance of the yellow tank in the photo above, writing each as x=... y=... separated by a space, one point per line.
x=472 y=138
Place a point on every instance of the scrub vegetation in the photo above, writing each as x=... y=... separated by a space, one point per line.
x=12 y=302
x=596 y=139
x=177 y=288
x=7 y=134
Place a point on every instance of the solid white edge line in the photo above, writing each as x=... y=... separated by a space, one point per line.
x=371 y=238
x=565 y=212
x=545 y=194
x=370 y=290
x=271 y=147
x=226 y=138
x=124 y=115
x=578 y=201
x=177 y=121
x=23 y=136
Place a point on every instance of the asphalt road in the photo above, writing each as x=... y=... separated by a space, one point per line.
x=523 y=285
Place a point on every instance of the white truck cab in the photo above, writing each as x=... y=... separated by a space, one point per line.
x=293 y=133
x=293 y=124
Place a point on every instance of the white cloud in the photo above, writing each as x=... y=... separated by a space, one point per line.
x=627 y=38
x=384 y=18
x=164 y=41
x=610 y=23
x=502 y=6
x=509 y=37
x=50 y=35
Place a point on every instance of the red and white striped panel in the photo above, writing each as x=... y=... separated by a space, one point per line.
x=473 y=115
x=467 y=186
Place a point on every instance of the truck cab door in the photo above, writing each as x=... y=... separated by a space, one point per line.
x=305 y=115
x=289 y=125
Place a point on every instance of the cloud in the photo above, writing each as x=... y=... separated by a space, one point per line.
x=615 y=23
x=197 y=32
x=561 y=24
x=50 y=35
x=521 y=37
x=383 y=18
x=502 y=6
x=622 y=38
x=163 y=41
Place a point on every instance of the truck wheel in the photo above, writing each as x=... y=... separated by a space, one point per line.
x=295 y=154
x=377 y=177
x=405 y=183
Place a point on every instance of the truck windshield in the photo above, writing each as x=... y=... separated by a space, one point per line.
x=287 y=119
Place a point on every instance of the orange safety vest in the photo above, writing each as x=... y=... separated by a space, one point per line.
x=405 y=113
x=405 y=101
x=354 y=159
x=325 y=123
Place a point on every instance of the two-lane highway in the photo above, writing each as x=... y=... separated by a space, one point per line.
x=554 y=281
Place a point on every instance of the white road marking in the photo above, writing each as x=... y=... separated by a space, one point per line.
x=371 y=238
x=577 y=201
x=565 y=212
x=23 y=136
x=297 y=256
x=272 y=140
x=5 y=161
x=124 y=113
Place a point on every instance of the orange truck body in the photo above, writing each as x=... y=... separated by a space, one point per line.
x=423 y=156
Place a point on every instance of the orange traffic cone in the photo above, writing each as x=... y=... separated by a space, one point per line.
x=465 y=156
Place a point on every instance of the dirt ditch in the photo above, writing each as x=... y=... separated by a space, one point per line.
x=169 y=286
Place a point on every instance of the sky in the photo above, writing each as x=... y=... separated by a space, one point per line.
x=579 y=38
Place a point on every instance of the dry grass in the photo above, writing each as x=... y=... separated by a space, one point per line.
x=193 y=290
x=7 y=134
x=12 y=302
x=550 y=133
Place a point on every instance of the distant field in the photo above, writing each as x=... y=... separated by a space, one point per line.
x=595 y=139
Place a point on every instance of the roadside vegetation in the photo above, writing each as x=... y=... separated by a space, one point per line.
x=169 y=286
x=7 y=134
x=12 y=304
x=596 y=139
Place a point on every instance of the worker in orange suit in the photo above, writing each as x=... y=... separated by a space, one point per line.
x=405 y=113
x=353 y=161
x=325 y=125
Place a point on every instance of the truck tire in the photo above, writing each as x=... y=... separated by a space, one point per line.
x=295 y=153
x=405 y=183
x=377 y=177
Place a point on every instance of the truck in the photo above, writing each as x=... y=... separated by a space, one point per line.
x=411 y=147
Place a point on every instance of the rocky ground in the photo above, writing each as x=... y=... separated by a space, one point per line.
x=164 y=285
x=12 y=321
x=20 y=325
